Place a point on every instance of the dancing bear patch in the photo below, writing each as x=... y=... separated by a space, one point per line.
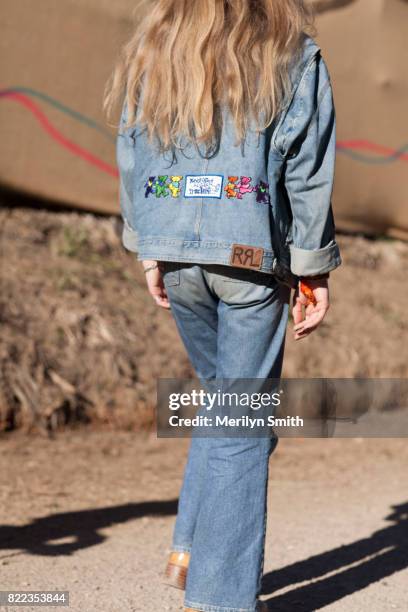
x=206 y=186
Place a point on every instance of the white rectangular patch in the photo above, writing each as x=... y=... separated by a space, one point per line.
x=203 y=186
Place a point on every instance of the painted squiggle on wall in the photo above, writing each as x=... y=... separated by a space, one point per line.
x=355 y=149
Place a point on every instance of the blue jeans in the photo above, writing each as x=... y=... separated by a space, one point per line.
x=233 y=323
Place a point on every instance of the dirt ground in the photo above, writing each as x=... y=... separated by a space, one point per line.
x=82 y=341
x=92 y=513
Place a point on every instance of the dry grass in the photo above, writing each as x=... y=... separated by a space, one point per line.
x=82 y=342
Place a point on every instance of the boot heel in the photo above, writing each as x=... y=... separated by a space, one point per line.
x=176 y=570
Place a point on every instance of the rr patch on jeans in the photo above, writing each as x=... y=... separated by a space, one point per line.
x=246 y=256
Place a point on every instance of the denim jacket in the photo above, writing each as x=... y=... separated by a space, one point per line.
x=264 y=204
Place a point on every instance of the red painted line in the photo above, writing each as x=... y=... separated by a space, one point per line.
x=113 y=171
x=371 y=146
x=58 y=136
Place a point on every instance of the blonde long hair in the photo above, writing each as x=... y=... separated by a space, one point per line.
x=189 y=58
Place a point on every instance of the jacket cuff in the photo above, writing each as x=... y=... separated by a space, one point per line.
x=305 y=262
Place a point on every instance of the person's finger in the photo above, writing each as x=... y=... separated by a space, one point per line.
x=309 y=325
x=162 y=286
x=311 y=319
x=305 y=333
x=161 y=301
x=312 y=324
x=297 y=312
x=159 y=295
x=310 y=316
x=307 y=328
x=303 y=298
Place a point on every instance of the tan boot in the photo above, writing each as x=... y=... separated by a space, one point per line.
x=176 y=570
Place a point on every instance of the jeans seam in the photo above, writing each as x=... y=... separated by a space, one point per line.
x=261 y=569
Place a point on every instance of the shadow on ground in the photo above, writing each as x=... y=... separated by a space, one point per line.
x=371 y=559
x=81 y=528
x=375 y=558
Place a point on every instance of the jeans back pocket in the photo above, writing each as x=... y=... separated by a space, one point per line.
x=242 y=275
x=171 y=273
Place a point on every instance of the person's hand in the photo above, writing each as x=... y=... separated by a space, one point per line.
x=155 y=284
x=305 y=323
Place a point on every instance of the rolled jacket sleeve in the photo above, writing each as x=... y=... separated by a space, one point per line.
x=307 y=140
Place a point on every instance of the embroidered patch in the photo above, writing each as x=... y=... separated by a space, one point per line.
x=262 y=193
x=203 y=186
x=231 y=187
x=206 y=186
x=244 y=186
x=246 y=256
x=175 y=186
x=149 y=186
x=161 y=188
